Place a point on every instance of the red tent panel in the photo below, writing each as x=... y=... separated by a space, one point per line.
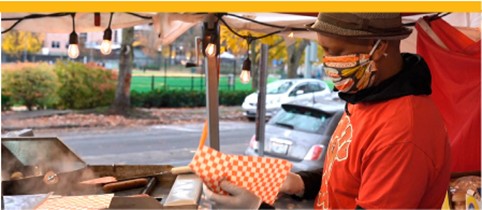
x=456 y=89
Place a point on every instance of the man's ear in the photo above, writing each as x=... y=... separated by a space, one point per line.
x=381 y=51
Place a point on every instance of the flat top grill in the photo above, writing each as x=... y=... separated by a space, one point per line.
x=28 y=161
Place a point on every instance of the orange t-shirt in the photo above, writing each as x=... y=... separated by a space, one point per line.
x=392 y=154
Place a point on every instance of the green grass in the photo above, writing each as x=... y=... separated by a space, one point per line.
x=146 y=83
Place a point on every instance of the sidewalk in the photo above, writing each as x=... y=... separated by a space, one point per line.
x=67 y=119
x=10 y=115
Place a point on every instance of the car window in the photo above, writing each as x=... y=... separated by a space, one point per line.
x=302 y=120
x=278 y=87
x=315 y=87
x=303 y=87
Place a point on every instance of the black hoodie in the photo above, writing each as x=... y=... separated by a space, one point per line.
x=413 y=79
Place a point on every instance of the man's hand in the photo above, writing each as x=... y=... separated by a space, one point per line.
x=239 y=198
x=293 y=184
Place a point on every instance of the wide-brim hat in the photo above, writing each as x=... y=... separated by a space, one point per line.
x=386 y=26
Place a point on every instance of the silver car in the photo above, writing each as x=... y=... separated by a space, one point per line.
x=287 y=91
x=300 y=133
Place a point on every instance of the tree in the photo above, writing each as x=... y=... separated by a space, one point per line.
x=238 y=46
x=292 y=55
x=149 y=42
x=122 y=95
x=147 y=39
x=295 y=52
x=17 y=42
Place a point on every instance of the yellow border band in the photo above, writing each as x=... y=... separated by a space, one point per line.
x=240 y=6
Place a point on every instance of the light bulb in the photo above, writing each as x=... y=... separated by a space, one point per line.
x=106 y=47
x=291 y=35
x=245 y=76
x=73 y=51
x=211 y=50
x=246 y=71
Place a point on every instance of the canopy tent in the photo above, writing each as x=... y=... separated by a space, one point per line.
x=168 y=26
x=460 y=105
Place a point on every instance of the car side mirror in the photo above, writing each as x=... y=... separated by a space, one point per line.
x=299 y=92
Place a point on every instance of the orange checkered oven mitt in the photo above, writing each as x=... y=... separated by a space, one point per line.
x=260 y=175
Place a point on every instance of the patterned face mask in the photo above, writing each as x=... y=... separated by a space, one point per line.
x=351 y=73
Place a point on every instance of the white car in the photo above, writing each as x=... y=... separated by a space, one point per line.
x=286 y=91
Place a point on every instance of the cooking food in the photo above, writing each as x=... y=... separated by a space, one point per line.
x=16 y=175
x=123 y=185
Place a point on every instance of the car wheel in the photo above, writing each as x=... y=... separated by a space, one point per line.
x=251 y=119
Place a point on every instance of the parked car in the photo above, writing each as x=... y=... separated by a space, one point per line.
x=300 y=133
x=285 y=91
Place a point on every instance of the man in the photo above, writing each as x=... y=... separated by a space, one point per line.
x=390 y=149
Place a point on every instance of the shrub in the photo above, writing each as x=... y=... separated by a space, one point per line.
x=184 y=98
x=33 y=85
x=85 y=85
x=6 y=101
x=233 y=98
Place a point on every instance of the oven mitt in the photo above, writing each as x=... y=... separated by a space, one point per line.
x=261 y=175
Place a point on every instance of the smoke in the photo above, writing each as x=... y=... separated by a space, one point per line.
x=26 y=161
x=34 y=157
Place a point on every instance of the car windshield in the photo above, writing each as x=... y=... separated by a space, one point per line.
x=278 y=87
x=302 y=120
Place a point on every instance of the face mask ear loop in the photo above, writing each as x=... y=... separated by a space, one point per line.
x=374 y=47
x=373 y=50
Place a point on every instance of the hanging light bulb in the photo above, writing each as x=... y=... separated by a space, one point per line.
x=245 y=75
x=291 y=35
x=246 y=71
x=73 y=50
x=211 y=50
x=106 y=46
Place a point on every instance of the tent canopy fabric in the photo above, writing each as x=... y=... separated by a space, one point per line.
x=454 y=62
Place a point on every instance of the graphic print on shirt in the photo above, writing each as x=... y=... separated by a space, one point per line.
x=337 y=151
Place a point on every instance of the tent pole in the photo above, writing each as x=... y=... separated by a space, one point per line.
x=261 y=105
x=212 y=98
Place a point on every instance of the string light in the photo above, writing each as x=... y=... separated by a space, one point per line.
x=210 y=36
x=291 y=35
x=246 y=71
x=106 y=46
x=73 y=51
x=211 y=50
x=245 y=76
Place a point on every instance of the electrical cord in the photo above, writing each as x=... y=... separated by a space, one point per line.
x=31 y=16
x=61 y=14
x=246 y=37
x=139 y=16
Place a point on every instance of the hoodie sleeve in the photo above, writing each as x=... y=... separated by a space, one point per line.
x=312 y=182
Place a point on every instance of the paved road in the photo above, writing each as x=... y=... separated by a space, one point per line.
x=162 y=144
